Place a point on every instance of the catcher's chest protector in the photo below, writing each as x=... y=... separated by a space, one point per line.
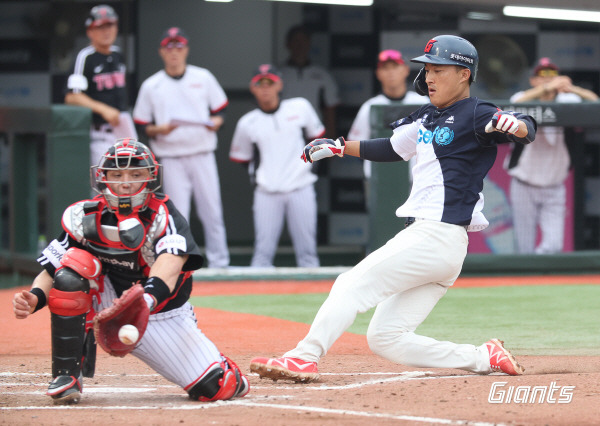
x=99 y=227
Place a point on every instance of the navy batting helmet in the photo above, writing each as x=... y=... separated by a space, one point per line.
x=446 y=50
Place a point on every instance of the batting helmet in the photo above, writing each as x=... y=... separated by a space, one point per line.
x=447 y=50
x=101 y=14
x=125 y=154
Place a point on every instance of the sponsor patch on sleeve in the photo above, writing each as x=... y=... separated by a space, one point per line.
x=172 y=244
x=54 y=253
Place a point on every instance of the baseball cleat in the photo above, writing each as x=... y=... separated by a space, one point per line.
x=501 y=360
x=65 y=390
x=293 y=369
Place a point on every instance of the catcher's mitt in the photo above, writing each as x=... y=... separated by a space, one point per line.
x=130 y=308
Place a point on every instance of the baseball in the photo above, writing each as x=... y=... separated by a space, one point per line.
x=128 y=334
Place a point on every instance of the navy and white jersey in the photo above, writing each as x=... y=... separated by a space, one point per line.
x=91 y=226
x=453 y=155
x=101 y=77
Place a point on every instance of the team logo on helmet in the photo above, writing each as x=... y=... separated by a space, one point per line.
x=429 y=45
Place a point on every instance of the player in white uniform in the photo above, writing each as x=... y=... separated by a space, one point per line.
x=284 y=187
x=305 y=80
x=128 y=234
x=537 y=188
x=193 y=96
x=392 y=73
x=454 y=139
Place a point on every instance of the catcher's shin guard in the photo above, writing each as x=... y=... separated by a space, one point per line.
x=221 y=381
x=69 y=301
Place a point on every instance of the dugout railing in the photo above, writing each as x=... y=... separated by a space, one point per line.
x=44 y=164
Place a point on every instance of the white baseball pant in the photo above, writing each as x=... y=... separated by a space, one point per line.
x=100 y=141
x=533 y=206
x=196 y=175
x=299 y=209
x=172 y=345
x=405 y=279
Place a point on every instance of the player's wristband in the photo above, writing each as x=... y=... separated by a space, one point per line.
x=42 y=300
x=157 y=288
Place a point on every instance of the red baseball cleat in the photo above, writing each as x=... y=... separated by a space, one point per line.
x=501 y=360
x=285 y=369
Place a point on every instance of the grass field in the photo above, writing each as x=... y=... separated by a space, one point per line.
x=533 y=320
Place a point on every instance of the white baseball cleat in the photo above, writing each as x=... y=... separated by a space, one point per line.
x=285 y=369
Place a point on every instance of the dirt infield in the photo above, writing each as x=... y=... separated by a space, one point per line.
x=355 y=387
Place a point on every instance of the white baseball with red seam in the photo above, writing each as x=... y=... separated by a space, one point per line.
x=128 y=334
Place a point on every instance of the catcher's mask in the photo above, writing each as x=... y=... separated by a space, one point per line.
x=126 y=154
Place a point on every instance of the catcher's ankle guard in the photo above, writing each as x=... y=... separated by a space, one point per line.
x=218 y=382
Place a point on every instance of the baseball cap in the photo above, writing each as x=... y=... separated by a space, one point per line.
x=173 y=34
x=390 y=55
x=545 y=68
x=266 y=71
x=101 y=14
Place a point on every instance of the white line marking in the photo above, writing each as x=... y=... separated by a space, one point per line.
x=248 y=403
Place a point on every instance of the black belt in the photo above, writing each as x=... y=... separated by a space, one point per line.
x=104 y=127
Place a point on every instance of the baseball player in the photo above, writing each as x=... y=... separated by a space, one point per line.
x=537 y=188
x=309 y=81
x=284 y=188
x=392 y=73
x=193 y=97
x=127 y=236
x=454 y=139
x=97 y=80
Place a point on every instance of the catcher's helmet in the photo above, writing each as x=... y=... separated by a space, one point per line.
x=127 y=153
x=450 y=50
x=101 y=14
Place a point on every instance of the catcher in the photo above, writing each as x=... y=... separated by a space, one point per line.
x=126 y=257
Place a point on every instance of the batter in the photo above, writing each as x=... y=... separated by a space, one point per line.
x=454 y=139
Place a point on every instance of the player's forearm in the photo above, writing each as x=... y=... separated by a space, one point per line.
x=81 y=99
x=352 y=148
x=584 y=94
x=168 y=267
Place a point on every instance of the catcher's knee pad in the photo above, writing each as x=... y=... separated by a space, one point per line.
x=219 y=382
x=84 y=263
x=70 y=293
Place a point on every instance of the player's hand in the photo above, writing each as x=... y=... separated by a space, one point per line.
x=217 y=121
x=111 y=115
x=24 y=303
x=323 y=148
x=503 y=122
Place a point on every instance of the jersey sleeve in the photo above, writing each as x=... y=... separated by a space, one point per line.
x=314 y=127
x=50 y=257
x=78 y=81
x=217 y=98
x=179 y=241
x=142 y=112
x=241 y=150
x=404 y=139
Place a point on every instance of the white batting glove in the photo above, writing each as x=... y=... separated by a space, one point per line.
x=323 y=148
x=503 y=122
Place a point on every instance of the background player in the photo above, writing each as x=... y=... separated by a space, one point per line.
x=284 y=187
x=537 y=187
x=406 y=277
x=187 y=151
x=136 y=235
x=97 y=80
x=306 y=80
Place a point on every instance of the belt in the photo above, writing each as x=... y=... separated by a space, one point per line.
x=411 y=220
x=104 y=127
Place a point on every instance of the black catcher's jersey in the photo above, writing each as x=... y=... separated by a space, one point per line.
x=91 y=226
x=105 y=77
